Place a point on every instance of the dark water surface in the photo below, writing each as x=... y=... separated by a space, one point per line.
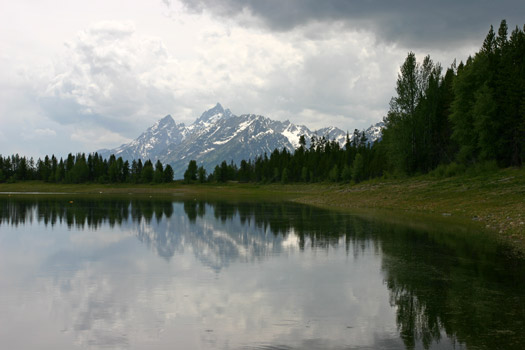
x=163 y=274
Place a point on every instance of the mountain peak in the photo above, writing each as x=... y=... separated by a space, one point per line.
x=214 y=114
x=166 y=120
x=219 y=135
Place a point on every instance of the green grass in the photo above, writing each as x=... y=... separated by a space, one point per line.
x=493 y=200
x=489 y=199
x=229 y=190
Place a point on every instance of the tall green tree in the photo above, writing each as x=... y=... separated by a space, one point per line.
x=168 y=173
x=158 y=175
x=190 y=175
x=147 y=172
x=401 y=126
x=487 y=113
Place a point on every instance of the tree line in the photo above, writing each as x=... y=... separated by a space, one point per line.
x=474 y=113
x=323 y=160
x=472 y=116
x=81 y=169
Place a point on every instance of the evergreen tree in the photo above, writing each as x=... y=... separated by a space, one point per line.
x=168 y=174
x=333 y=176
x=346 y=174
x=60 y=172
x=158 y=175
x=284 y=176
x=79 y=172
x=358 y=169
x=113 y=172
x=125 y=171
x=52 y=172
x=201 y=174
x=147 y=172
x=190 y=175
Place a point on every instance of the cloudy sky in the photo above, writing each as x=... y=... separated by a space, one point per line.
x=77 y=76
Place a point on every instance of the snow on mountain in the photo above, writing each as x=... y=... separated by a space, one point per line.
x=151 y=143
x=232 y=139
x=373 y=133
x=333 y=133
x=213 y=115
x=218 y=135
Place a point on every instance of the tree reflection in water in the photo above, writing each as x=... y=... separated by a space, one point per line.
x=442 y=284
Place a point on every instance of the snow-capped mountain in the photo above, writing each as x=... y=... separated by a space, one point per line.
x=219 y=135
x=373 y=133
x=152 y=143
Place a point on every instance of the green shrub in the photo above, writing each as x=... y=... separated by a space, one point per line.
x=454 y=169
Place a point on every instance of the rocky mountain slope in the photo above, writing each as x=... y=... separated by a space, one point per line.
x=219 y=135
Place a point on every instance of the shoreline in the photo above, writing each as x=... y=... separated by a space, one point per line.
x=493 y=202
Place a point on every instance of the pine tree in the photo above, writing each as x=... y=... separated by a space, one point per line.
x=168 y=174
x=201 y=174
x=158 y=175
x=147 y=172
x=358 y=168
x=190 y=175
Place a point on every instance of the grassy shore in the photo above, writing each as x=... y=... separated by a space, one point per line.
x=493 y=201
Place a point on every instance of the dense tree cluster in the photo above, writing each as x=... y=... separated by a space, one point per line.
x=323 y=160
x=82 y=169
x=473 y=114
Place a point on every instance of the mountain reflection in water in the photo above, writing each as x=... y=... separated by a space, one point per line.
x=271 y=275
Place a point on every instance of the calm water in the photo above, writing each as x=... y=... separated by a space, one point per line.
x=162 y=274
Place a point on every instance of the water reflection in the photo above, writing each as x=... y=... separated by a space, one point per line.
x=474 y=296
x=247 y=275
x=247 y=229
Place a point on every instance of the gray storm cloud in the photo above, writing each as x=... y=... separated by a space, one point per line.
x=411 y=23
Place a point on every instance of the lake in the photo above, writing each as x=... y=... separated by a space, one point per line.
x=161 y=273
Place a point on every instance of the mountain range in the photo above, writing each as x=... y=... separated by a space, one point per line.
x=219 y=135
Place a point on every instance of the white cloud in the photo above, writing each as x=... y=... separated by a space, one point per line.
x=44 y=132
x=108 y=77
x=115 y=78
x=179 y=297
x=120 y=76
x=95 y=137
